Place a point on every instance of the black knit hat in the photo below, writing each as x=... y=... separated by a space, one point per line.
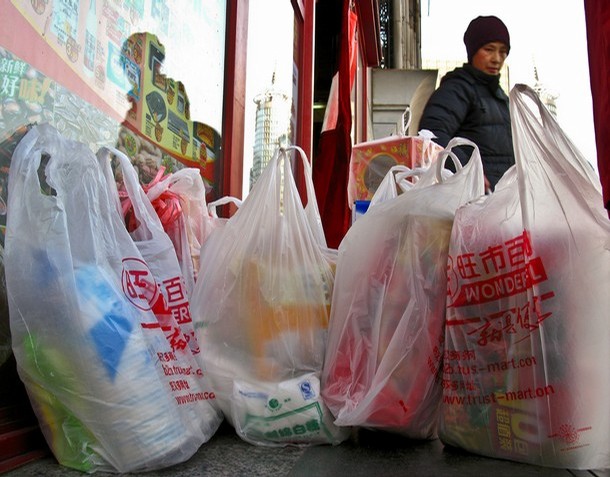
x=483 y=30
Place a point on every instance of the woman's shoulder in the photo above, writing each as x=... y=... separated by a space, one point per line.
x=460 y=74
x=457 y=79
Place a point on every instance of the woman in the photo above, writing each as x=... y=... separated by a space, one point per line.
x=470 y=103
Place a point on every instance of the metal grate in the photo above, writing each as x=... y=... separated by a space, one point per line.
x=385 y=33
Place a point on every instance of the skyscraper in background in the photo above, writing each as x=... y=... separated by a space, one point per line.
x=272 y=127
x=548 y=97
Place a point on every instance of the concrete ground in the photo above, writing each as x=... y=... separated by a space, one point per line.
x=366 y=453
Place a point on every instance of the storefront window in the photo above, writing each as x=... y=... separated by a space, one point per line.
x=271 y=85
x=143 y=75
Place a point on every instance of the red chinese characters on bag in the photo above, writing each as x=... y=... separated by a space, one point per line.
x=497 y=302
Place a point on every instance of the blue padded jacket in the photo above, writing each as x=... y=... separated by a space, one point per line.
x=471 y=104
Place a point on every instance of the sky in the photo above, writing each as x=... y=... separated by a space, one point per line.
x=269 y=51
x=549 y=34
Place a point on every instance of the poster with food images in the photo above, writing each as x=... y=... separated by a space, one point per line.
x=87 y=35
x=160 y=107
x=28 y=97
x=87 y=51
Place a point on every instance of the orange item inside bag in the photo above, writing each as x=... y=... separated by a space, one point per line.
x=284 y=322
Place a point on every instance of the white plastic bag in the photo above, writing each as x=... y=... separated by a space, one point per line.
x=215 y=222
x=526 y=364
x=391 y=185
x=172 y=308
x=5 y=330
x=386 y=329
x=260 y=308
x=87 y=345
x=193 y=225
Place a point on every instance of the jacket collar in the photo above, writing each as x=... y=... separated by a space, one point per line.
x=475 y=76
x=492 y=81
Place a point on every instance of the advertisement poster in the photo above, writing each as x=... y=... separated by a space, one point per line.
x=79 y=66
x=29 y=97
x=84 y=35
x=160 y=107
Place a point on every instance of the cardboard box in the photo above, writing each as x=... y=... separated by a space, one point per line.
x=371 y=161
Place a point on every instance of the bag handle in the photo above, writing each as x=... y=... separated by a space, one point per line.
x=187 y=180
x=311 y=209
x=400 y=174
x=549 y=128
x=40 y=140
x=415 y=173
x=448 y=153
x=222 y=201
x=27 y=158
x=389 y=185
x=399 y=170
x=536 y=135
x=149 y=222
x=472 y=171
x=394 y=182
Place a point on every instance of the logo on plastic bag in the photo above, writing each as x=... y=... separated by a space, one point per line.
x=500 y=271
x=139 y=285
x=307 y=390
x=493 y=283
x=570 y=435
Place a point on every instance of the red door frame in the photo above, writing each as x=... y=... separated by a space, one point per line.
x=304 y=11
x=304 y=14
x=236 y=40
x=235 y=87
x=235 y=80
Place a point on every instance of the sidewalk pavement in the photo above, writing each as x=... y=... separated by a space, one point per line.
x=365 y=454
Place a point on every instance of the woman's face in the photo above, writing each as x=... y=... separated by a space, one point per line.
x=490 y=57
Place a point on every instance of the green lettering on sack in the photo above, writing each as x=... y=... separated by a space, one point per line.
x=274 y=427
x=313 y=425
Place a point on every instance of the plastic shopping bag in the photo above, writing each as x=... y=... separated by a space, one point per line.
x=157 y=249
x=393 y=184
x=193 y=223
x=5 y=330
x=386 y=332
x=214 y=221
x=260 y=308
x=171 y=209
x=526 y=363
x=172 y=309
x=87 y=344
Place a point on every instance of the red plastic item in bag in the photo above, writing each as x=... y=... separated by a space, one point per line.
x=385 y=338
